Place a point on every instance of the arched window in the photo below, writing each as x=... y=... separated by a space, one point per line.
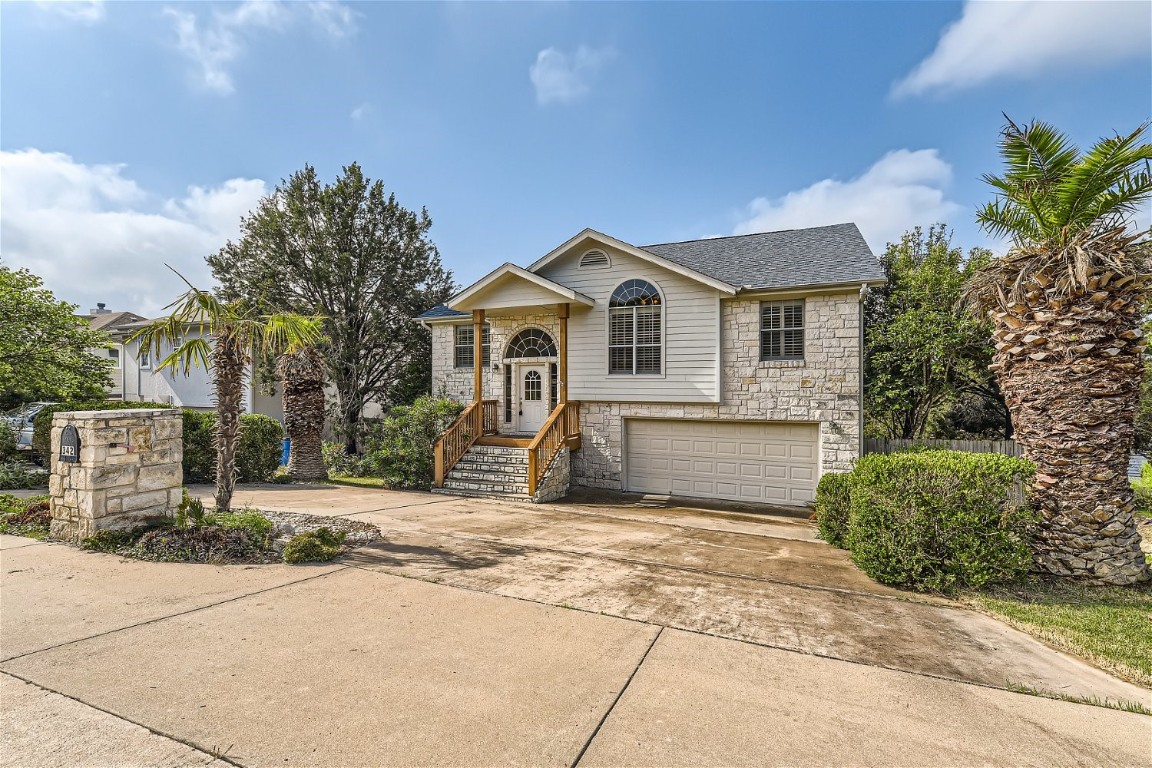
x=531 y=342
x=634 y=328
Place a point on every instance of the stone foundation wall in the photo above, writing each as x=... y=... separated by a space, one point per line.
x=129 y=472
x=556 y=480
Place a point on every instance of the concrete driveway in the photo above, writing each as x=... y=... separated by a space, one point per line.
x=601 y=632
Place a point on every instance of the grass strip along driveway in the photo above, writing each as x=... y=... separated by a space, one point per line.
x=1109 y=626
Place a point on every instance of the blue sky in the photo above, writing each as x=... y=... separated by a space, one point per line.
x=134 y=134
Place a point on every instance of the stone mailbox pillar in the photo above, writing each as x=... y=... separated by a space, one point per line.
x=127 y=470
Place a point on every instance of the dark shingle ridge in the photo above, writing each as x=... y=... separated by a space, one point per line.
x=440 y=310
x=832 y=254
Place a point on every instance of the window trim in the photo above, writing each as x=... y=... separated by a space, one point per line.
x=634 y=346
x=457 y=347
x=144 y=358
x=803 y=328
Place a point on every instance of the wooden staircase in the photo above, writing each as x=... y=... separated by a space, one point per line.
x=472 y=461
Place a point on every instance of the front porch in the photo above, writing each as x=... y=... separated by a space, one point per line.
x=514 y=436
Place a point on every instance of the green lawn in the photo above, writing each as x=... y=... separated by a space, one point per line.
x=363 y=482
x=1109 y=626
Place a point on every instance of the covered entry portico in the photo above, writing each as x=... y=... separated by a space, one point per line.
x=519 y=392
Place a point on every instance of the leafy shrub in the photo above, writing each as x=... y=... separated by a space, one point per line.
x=8 y=450
x=108 y=540
x=204 y=544
x=42 y=422
x=399 y=449
x=190 y=511
x=16 y=475
x=199 y=446
x=30 y=517
x=940 y=520
x=832 y=505
x=248 y=519
x=336 y=459
x=1142 y=488
x=315 y=546
x=261 y=445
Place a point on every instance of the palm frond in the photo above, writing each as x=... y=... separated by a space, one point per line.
x=192 y=353
x=1111 y=162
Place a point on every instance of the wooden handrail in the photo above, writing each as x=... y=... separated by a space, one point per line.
x=562 y=425
x=474 y=421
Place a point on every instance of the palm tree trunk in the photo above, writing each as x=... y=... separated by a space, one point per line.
x=303 y=374
x=1075 y=420
x=229 y=363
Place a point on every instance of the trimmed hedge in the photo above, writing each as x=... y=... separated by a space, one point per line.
x=833 y=505
x=257 y=458
x=940 y=520
x=261 y=446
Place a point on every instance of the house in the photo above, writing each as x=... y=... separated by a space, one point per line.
x=726 y=368
x=101 y=318
x=136 y=377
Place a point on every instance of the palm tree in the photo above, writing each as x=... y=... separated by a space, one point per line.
x=1066 y=302
x=303 y=374
x=222 y=336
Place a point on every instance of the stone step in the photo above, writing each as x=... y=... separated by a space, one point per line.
x=481 y=494
x=470 y=473
x=490 y=485
x=498 y=450
x=493 y=461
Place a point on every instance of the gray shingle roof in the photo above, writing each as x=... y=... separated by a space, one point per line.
x=441 y=310
x=789 y=258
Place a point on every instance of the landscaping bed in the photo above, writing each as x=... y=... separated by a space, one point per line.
x=196 y=536
x=28 y=517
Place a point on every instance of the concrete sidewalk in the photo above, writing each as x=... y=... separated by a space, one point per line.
x=761 y=578
x=349 y=666
x=726 y=640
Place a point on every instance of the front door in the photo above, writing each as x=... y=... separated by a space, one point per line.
x=533 y=397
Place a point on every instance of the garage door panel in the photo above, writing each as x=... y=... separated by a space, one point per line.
x=748 y=461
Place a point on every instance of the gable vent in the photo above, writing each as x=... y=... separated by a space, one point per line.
x=593 y=259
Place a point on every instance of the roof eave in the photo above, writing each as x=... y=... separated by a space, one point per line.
x=632 y=250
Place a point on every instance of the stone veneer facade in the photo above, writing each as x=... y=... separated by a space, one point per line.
x=129 y=472
x=824 y=388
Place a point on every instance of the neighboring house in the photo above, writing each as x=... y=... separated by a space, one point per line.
x=727 y=368
x=103 y=319
x=137 y=378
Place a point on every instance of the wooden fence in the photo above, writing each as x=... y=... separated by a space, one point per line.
x=886 y=445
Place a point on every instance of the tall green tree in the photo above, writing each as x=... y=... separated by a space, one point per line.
x=45 y=349
x=923 y=351
x=356 y=256
x=1067 y=303
x=222 y=337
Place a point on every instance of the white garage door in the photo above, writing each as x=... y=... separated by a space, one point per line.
x=769 y=463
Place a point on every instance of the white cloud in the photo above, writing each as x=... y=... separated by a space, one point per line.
x=1018 y=40
x=213 y=44
x=360 y=112
x=94 y=234
x=902 y=189
x=335 y=19
x=82 y=11
x=560 y=78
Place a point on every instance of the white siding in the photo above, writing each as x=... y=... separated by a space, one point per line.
x=691 y=334
x=513 y=292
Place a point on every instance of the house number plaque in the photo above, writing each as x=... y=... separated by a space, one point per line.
x=69 y=444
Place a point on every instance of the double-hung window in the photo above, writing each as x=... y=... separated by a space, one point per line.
x=782 y=330
x=465 y=346
x=635 y=328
